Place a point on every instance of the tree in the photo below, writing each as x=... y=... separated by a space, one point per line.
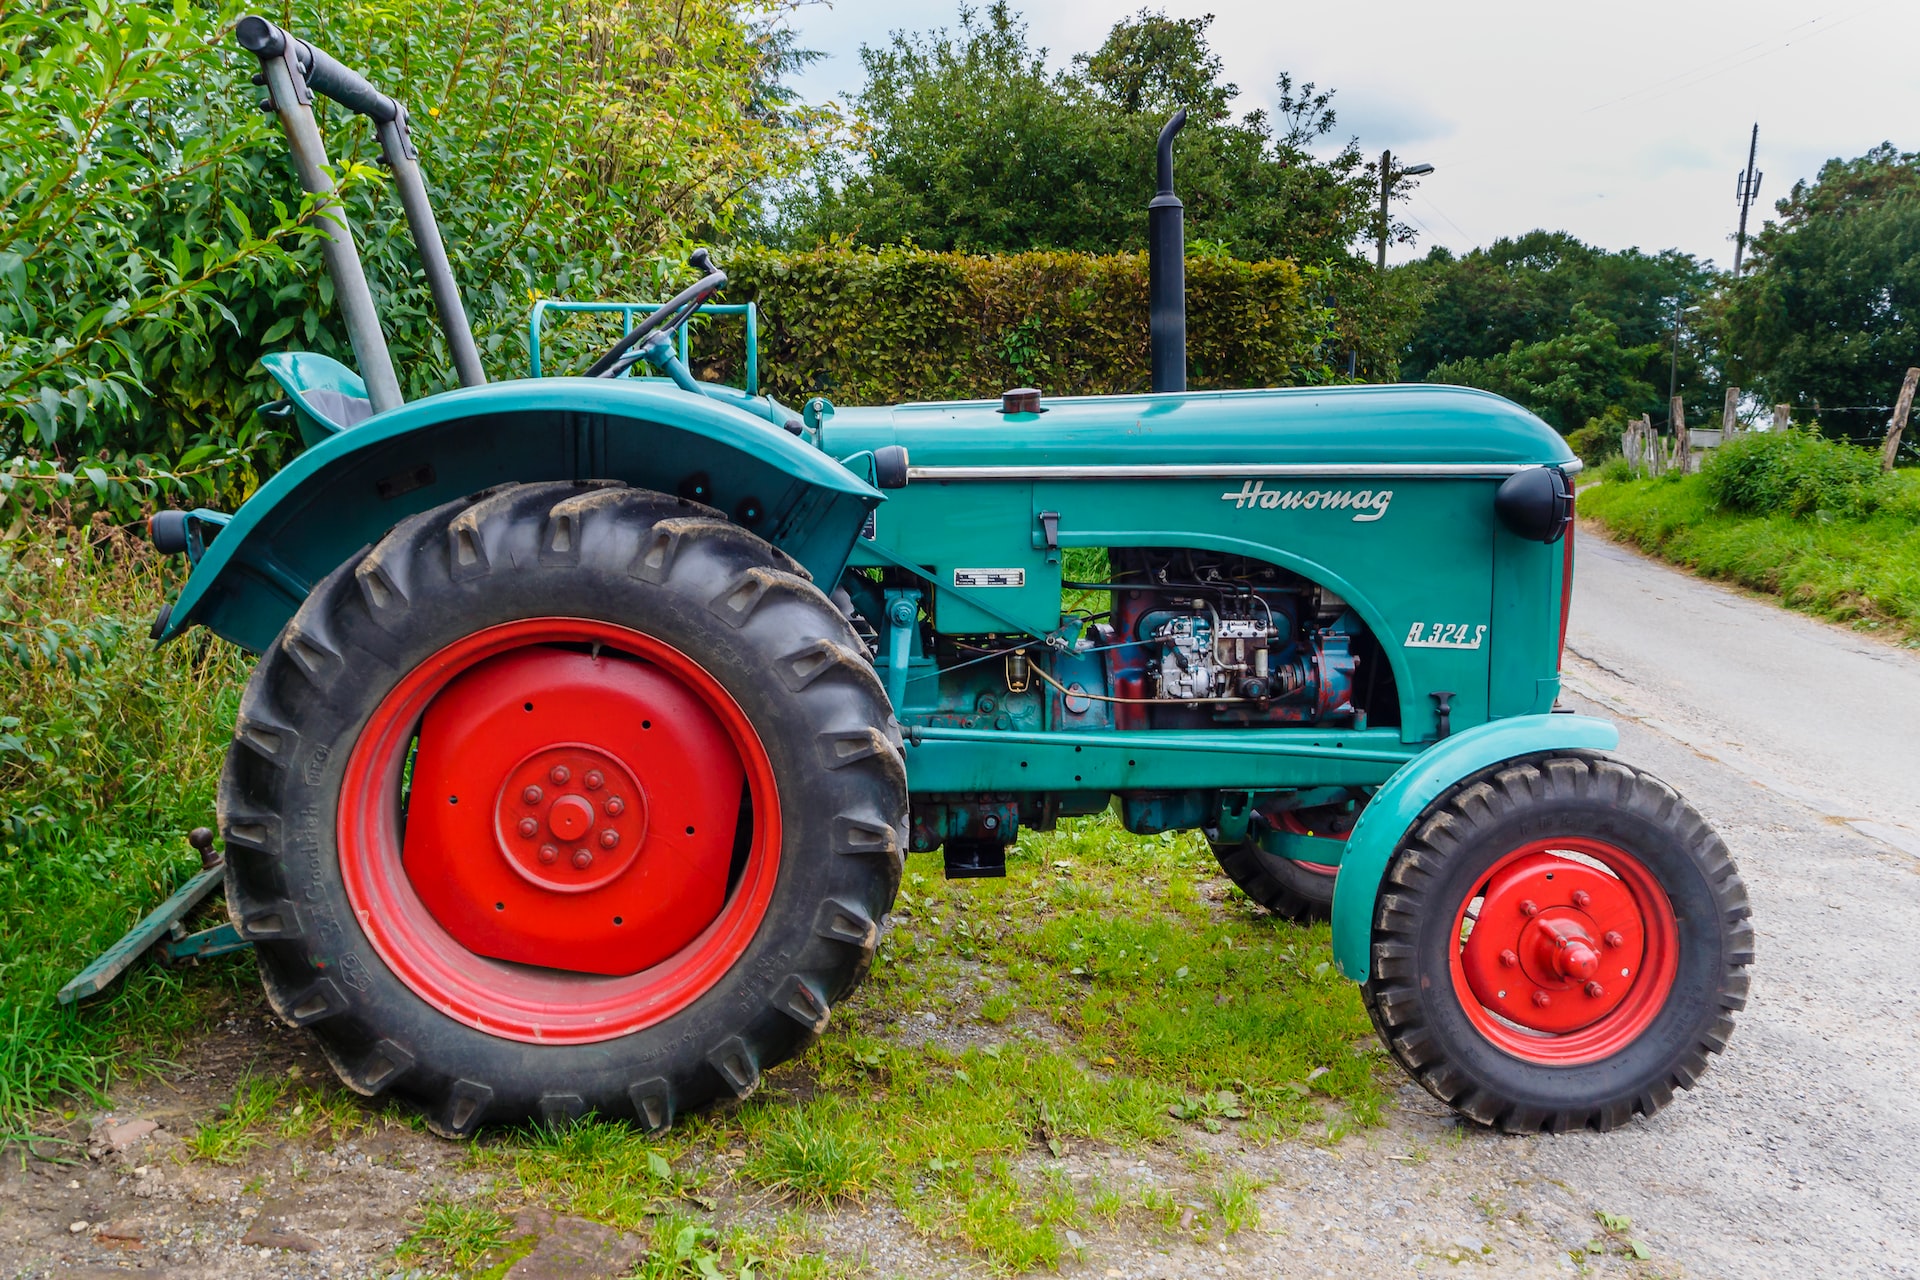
x=969 y=143
x=1829 y=313
x=1528 y=290
x=1568 y=377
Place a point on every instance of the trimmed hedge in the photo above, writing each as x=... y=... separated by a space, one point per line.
x=878 y=327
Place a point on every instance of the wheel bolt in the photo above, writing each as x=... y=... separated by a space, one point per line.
x=532 y=795
x=1528 y=907
x=528 y=828
x=1613 y=939
x=1541 y=999
x=559 y=773
x=615 y=806
x=1595 y=990
x=1508 y=960
x=1581 y=898
x=583 y=858
x=549 y=854
x=594 y=780
x=609 y=838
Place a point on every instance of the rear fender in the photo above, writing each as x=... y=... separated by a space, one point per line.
x=346 y=491
x=1411 y=791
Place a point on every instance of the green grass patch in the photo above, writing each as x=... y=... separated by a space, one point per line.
x=456 y=1238
x=109 y=751
x=1861 y=569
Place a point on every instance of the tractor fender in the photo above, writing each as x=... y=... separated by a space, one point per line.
x=361 y=480
x=1412 y=790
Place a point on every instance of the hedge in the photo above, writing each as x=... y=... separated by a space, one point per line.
x=889 y=325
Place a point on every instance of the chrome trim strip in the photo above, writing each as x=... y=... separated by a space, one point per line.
x=1213 y=471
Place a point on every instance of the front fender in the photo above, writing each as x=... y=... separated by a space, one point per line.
x=1413 y=788
x=348 y=490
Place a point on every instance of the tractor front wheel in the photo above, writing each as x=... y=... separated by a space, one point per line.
x=563 y=799
x=1559 y=944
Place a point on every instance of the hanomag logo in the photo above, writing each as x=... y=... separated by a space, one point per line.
x=1366 y=504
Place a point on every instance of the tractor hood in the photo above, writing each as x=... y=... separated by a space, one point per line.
x=1409 y=425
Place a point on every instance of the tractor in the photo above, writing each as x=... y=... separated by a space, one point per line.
x=595 y=715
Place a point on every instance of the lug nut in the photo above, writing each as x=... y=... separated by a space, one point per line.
x=532 y=795
x=594 y=780
x=583 y=858
x=609 y=838
x=1541 y=999
x=528 y=828
x=559 y=773
x=1528 y=907
x=1508 y=960
x=1613 y=938
x=1595 y=990
x=1581 y=898
x=615 y=806
x=549 y=854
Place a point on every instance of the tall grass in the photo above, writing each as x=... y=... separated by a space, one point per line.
x=109 y=750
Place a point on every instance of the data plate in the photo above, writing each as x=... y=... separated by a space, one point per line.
x=989 y=577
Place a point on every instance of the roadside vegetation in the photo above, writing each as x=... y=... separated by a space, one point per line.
x=1811 y=520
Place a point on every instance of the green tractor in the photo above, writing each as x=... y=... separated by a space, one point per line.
x=595 y=715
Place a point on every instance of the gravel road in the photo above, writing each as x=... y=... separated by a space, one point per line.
x=1799 y=1155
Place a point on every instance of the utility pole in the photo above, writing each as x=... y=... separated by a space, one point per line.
x=1673 y=373
x=1388 y=176
x=1746 y=191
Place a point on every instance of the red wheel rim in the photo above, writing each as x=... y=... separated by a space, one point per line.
x=430 y=924
x=1565 y=952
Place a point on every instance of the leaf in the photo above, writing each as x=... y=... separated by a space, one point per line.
x=280 y=329
x=657 y=1165
x=1640 y=1251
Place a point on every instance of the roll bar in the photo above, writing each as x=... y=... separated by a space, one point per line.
x=292 y=71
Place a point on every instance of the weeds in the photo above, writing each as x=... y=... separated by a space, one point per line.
x=815 y=1152
x=238 y=1129
x=456 y=1237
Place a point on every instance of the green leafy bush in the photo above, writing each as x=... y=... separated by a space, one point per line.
x=151 y=242
x=1794 y=473
x=880 y=326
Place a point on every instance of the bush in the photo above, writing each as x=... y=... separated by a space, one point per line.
x=1601 y=438
x=1794 y=473
x=877 y=327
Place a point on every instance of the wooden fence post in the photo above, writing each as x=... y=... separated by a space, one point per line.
x=1782 y=416
x=1730 y=414
x=1898 y=423
x=1682 y=444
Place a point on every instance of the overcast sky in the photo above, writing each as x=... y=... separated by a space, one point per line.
x=1624 y=123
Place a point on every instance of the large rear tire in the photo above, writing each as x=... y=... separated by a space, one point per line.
x=1559 y=944
x=566 y=798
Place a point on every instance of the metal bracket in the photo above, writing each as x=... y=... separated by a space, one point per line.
x=161 y=932
x=903 y=614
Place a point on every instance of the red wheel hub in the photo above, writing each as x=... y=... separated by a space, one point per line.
x=1571 y=953
x=563 y=866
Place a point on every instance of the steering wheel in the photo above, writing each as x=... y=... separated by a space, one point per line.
x=678 y=310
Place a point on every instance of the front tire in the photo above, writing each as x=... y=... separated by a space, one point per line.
x=567 y=798
x=1559 y=944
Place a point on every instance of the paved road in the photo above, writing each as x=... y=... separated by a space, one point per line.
x=1799 y=1154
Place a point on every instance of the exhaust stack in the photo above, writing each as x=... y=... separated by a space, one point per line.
x=1167 y=271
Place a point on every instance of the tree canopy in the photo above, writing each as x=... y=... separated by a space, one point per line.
x=1829 y=313
x=966 y=141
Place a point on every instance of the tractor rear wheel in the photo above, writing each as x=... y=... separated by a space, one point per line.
x=563 y=799
x=1559 y=944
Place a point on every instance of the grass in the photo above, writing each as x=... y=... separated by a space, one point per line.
x=1111 y=995
x=109 y=751
x=1860 y=570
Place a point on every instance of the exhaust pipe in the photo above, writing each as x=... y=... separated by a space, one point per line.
x=1167 y=271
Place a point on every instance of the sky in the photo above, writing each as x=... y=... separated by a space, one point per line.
x=1623 y=123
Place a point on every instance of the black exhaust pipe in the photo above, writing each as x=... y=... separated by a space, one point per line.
x=1167 y=271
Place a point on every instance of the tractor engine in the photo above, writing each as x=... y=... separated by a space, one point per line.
x=1200 y=640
